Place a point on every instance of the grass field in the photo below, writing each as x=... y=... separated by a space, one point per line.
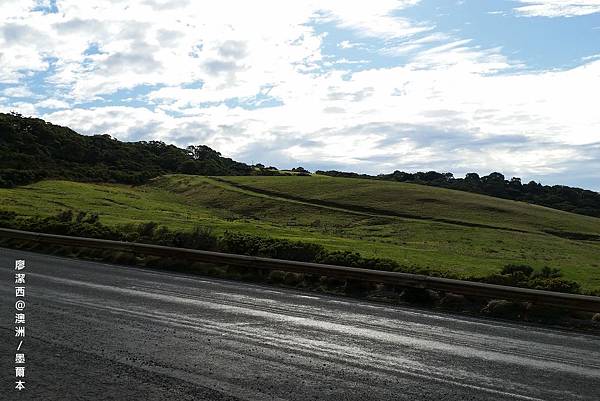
x=419 y=226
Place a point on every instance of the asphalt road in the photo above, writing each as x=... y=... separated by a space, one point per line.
x=103 y=332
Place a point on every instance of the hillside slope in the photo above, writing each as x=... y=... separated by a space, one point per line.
x=561 y=197
x=423 y=227
x=424 y=202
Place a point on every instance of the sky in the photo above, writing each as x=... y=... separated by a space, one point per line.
x=370 y=86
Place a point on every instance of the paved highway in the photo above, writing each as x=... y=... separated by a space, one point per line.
x=103 y=332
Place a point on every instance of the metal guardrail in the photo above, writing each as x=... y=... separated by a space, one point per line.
x=491 y=291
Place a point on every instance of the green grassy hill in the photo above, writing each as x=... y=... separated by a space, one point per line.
x=416 y=225
x=421 y=202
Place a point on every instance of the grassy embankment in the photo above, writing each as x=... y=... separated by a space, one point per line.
x=419 y=226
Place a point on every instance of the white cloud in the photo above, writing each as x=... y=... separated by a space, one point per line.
x=436 y=114
x=414 y=43
x=346 y=44
x=458 y=55
x=52 y=104
x=450 y=103
x=373 y=18
x=17 y=91
x=558 y=8
x=172 y=43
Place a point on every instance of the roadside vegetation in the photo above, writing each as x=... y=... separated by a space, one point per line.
x=83 y=224
x=425 y=229
x=88 y=224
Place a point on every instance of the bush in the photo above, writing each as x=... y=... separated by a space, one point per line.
x=548 y=272
x=199 y=238
x=276 y=276
x=506 y=309
x=555 y=284
x=355 y=259
x=252 y=245
x=292 y=279
x=123 y=258
x=356 y=288
x=517 y=273
x=420 y=296
x=146 y=230
x=547 y=278
x=453 y=301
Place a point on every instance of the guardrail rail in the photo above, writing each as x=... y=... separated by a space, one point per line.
x=469 y=288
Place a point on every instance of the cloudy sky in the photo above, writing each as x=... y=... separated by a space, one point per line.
x=368 y=86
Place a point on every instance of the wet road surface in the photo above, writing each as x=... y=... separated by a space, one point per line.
x=103 y=332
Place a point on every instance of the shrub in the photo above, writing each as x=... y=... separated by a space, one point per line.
x=355 y=259
x=555 y=284
x=292 y=279
x=499 y=279
x=453 y=301
x=276 y=276
x=547 y=278
x=65 y=216
x=270 y=247
x=517 y=270
x=548 y=272
x=420 y=296
x=198 y=238
x=356 y=288
x=506 y=309
x=146 y=230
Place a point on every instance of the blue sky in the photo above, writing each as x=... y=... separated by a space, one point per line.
x=458 y=86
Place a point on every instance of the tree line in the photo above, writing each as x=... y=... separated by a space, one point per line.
x=32 y=149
